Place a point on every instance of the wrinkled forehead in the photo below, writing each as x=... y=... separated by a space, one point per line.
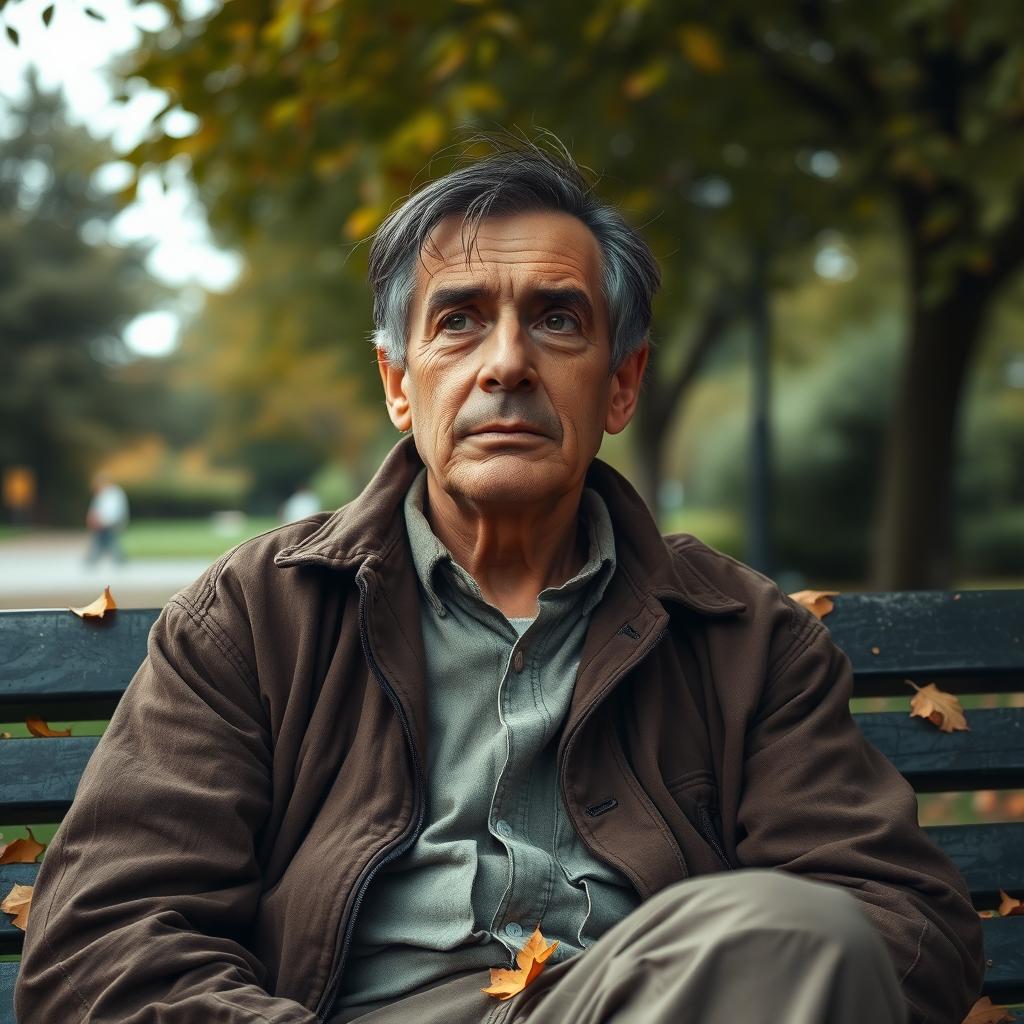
x=544 y=247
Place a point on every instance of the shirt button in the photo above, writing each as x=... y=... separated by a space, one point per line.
x=503 y=828
x=517 y=660
x=514 y=930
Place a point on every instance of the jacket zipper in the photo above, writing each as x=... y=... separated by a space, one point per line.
x=399 y=846
x=708 y=828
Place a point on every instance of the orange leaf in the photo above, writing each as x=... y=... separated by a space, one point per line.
x=38 y=727
x=506 y=983
x=103 y=604
x=983 y=1012
x=939 y=707
x=17 y=902
x=21 y=851
x=1010 y=906
x=816 y=601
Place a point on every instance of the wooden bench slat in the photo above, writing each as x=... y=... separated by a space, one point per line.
x=988 y=756
x=47 y=656
x=973 y=639
x=1004 y=946
x=40 y=776
x=989 y=856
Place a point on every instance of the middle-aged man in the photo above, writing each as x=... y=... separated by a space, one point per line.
x=369 y=752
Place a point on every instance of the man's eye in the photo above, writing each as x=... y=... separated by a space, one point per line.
x=561 y=323
x=457 y=322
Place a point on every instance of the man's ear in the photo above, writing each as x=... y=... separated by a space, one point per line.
x=393 y=378
x=625 y=389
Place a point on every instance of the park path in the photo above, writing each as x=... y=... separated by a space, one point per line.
x=47 y=570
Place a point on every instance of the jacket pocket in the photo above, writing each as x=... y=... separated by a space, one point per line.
x=696 y=792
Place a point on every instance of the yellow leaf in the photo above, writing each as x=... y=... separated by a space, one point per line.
x=1009 y=906
x=643 y=82
x=506 y=983
x=983 y=1012
x=21 y=851
x=98 y=608
x=18 y=902
x=38 y=727
x=939 y=707
x=700 y=47
x=816 y=601
x=363 y=221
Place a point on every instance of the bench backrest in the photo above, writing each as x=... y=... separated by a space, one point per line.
x=58 y=667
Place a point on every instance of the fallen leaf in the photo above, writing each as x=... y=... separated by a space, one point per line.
x=5 y=736
x=983 y=1012
x=18 y=902
x=1009 y=905
x=939 y=707
x=98 y=608
x=816 y=601
x=21 y=851
x=38 y=727
x=531 y=958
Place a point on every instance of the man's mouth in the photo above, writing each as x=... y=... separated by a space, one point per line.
x=512 y=427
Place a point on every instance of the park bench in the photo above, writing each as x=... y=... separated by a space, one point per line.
x=61 y=668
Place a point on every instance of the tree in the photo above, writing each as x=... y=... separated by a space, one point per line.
x=729 y=132
x=63 y=302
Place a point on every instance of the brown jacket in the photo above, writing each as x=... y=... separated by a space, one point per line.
x=267 y=760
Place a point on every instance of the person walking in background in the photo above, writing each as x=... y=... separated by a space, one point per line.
x=304 y=502
x=106 y=518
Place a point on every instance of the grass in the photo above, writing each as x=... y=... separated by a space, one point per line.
x=188 y=538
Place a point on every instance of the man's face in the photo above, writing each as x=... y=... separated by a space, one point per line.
x=507 y=381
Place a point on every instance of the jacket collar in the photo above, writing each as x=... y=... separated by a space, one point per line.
x=368 y=529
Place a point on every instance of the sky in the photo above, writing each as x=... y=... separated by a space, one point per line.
x=73 y=53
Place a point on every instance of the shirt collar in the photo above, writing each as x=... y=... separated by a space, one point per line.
x=434 y=562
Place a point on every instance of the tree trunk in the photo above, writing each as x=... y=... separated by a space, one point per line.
x=914 y=545
x=648 y=444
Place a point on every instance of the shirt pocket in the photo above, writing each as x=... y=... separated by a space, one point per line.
x=696 y=792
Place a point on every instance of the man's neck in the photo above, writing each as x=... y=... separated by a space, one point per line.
x=515 y=552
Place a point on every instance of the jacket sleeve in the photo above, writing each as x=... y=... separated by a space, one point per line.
x=821 y=801
x=145 y=895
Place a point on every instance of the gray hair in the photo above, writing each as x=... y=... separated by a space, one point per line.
x=518 y=177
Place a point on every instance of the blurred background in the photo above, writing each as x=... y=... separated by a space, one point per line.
x=835 y=191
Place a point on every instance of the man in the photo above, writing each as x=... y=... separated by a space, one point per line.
x=106 y=517
x=369 y=752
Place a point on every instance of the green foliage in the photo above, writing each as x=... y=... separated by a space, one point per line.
x=829 y=423
x=63 y=302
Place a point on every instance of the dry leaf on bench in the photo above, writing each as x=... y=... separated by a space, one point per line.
x=21 y=851
x=939 y=707
x=98 y=608
x=816 y=601
x=983 y=1012
x=38 y=727
x=1009 y=906
x=531 y=958
x=18 y=902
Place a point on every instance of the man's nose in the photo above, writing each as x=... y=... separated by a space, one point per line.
x=508 y=357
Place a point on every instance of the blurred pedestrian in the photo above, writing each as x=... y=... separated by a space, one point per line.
x=106 y=518
x=304 y=502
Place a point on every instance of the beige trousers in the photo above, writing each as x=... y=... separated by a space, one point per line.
x=752 y=946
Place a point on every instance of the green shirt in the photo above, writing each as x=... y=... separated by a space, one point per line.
x=498 y=854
